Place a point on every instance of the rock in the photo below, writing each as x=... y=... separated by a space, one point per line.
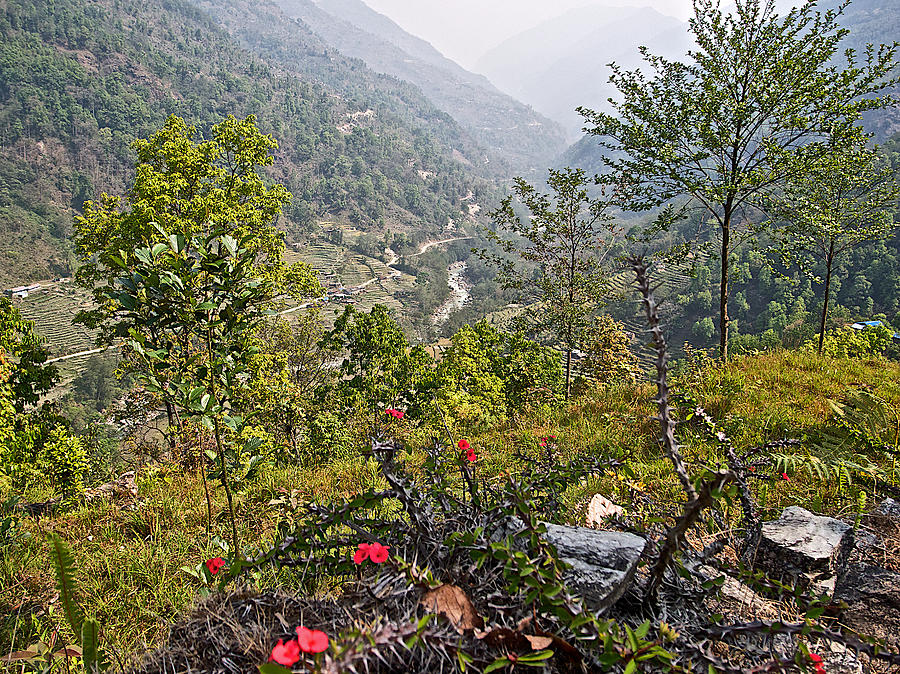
x=603 y=562
x=841 y=660
x=889 y=508
x=748 y=603
x=601 y=509
x=802 y=543
x=872 y=595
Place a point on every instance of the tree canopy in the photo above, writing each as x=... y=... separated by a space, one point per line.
x=722 y=126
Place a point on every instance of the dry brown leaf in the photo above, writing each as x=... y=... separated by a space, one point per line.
x=452 y=603
x=503 y=638
x=68 y=652
x=18 y=655
x=539 y=643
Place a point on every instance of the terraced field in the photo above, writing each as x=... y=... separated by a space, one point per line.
x=53 y=310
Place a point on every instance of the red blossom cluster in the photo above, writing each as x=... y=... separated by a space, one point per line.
x=214 y=565
x=544 y=441
x=307 y=641
x=397 y=414
x=464 y=445
x=376 y=552
x=784 y=476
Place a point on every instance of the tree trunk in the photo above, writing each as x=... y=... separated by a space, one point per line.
x=723 y=283
x=568 y=373
x=170 y=432
x=829 y=261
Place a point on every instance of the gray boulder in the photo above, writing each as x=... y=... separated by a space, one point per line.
x=603 y=562
x=889 y=508
x=800 y=542
x=872 y=595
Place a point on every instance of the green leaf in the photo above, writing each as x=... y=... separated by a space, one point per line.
x=90 y=647
x=499 y=663
x=535 y=659
x=65 y=581
x=273 y=668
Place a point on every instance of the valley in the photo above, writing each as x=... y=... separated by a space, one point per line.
x=397 y=362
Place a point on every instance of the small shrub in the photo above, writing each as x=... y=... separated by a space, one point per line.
x=849 y=343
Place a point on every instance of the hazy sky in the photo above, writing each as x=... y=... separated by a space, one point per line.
x=465 y=29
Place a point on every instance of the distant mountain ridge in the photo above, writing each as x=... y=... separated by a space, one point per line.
x=562 y=63
x=508 y=128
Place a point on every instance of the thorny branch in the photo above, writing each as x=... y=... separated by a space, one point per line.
x=667 y=424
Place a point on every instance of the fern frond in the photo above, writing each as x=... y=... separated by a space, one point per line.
x=65 y=582
x=90 y=647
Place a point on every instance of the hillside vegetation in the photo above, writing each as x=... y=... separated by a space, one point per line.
x=82 y=80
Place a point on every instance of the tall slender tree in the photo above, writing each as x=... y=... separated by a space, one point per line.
x=720 y=126
x=844 y=200
x=564 y=241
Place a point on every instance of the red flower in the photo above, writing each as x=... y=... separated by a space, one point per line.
x=543 y=442
x=464 y=445
x=784 y=476
x=286 y=654
x=397 y=414
x=551 y=437
x=213 y=565
x=378 y=553
x=362 y=554
x=470 y=455
x=818 y=666
x=311 y=641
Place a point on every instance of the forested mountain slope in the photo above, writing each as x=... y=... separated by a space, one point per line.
x=508 y=128
x=80 y=79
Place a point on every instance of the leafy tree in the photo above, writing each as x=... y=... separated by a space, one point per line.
x=565 y=242
x=188 y=187
x=289 y=364
x=721 y=127
x=29 y=376
x=607 y=353
x=487 y=375
x=380 y=368
x=845 y=199
x=190 y=269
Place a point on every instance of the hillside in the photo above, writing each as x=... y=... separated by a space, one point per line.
x=511 y=130
x=82 y=79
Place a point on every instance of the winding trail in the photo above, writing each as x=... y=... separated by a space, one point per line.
x=431 y=244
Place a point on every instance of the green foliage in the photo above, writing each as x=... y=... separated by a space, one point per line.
x=608 y=356
x=64 y=563
x=563 y=243
x=189 y=293
x=842 y=200
x=29 y=376
x=87 y=632
x=849 y=343
x=488 y=376
x=760 y=93
x=380 y=369
x=64 y=461
x=185 y=188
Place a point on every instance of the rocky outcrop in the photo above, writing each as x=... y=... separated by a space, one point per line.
x=801 y=543
x=603 y=562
